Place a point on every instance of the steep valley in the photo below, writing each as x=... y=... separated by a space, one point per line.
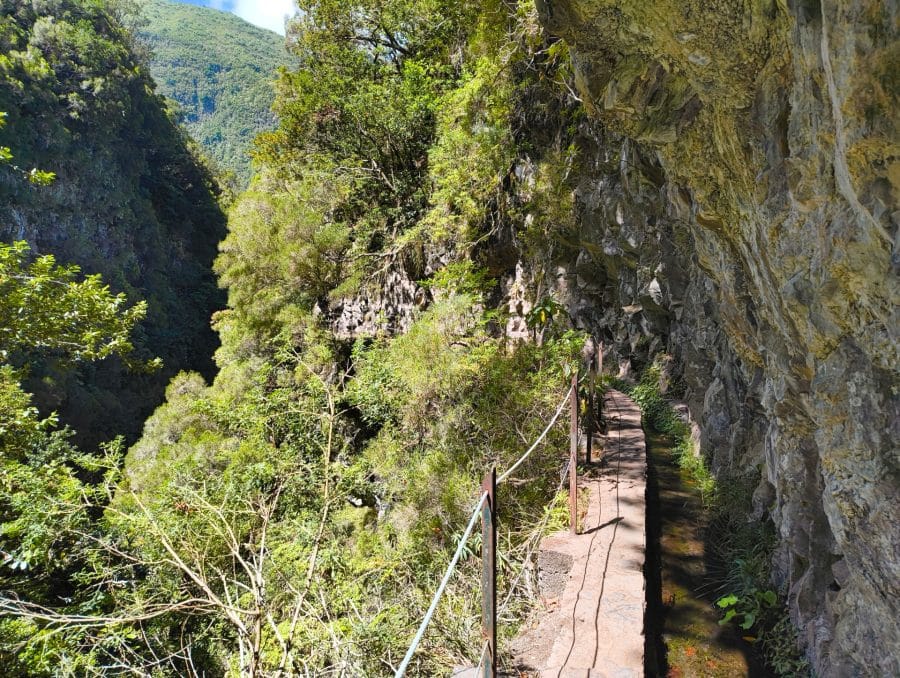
x=459 y=203
x=131 y=200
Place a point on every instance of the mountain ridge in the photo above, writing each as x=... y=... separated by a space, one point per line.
x=219 y=69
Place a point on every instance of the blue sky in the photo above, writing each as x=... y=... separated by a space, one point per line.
x=264 y=13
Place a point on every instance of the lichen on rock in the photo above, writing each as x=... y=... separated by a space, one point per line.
x=767 y=262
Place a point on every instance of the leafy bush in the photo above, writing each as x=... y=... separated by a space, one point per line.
x=659 y=415
x=748 y=609
x=47 y=486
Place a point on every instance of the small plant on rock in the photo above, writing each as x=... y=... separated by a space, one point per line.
x=747 y=609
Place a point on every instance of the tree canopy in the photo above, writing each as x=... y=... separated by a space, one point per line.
x=45 y=307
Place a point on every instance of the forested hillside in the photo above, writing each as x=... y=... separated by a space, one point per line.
x=221 y=71
x=131 y=200
x=337 y=465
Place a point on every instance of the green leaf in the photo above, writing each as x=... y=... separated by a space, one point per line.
x=41 y=178
x=727 y=601
x=45 y=307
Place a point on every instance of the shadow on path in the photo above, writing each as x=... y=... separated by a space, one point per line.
x=683 y=638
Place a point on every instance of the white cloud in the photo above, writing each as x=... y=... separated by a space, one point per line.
x=265 y=13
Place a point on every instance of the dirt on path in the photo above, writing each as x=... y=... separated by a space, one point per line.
x=591 y=619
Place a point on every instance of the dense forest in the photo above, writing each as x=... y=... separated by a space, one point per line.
x=290 y=479
x=220 y=70
x=131 y=200
x=457 y=202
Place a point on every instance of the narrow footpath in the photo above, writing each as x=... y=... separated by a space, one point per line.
x=592 y=583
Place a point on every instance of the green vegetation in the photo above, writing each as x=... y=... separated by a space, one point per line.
x=46 y=309
x=34 y=175
x=294 y=516
x=745 y=549
x=740 y=548
x=130 y=200
x=220 y=70
x=748 y=609
x=658 y=413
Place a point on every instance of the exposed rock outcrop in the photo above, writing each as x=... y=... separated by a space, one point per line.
x=742 y=208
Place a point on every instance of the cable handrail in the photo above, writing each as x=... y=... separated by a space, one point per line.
x=484 y=650
x=420 y=633
x=540 y=438
x=440 y=591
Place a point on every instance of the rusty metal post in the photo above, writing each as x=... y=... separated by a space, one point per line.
x=599 y=412
x=489 y=574
x=573 y=459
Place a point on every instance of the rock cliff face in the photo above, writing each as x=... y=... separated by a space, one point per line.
x=738 y=207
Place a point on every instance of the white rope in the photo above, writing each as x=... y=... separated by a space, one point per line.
x=484 y=649
x=537 y=442
x=462 y=541
x=440 y=591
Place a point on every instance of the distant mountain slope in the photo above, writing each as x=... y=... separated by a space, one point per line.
x=130 y=201
x=220 y=69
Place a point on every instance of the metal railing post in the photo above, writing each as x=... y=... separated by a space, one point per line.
x=573 y=459
x=591 y=418
x=599 y=411
x=489 y=574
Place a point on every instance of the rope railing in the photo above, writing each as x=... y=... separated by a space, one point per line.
x=485 y=507
x=440 y=590
x=426 y=620
x=540 y=439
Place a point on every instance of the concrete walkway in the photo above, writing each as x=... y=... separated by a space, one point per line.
x=592 y=584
